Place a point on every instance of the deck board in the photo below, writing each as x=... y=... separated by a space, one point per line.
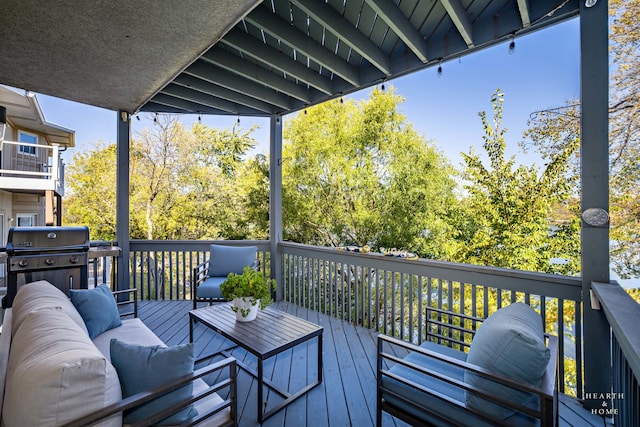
x=347 y=394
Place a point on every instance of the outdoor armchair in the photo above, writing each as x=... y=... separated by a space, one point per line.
x=209 y=275
x=508 y=376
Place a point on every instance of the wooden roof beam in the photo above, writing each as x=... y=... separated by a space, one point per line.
x=282 y=30
x=242 y=41
x=235 y=64
x=523 y=7
x=344 y=30
x=458 y=15
x=217 y=75
x=401 y=26
x=212 y=89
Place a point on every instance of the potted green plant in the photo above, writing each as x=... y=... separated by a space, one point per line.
x=248 y=291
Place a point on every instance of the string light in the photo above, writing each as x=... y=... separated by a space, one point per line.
x=512 y=45
x=238 y=121
x=440 y=68
x=199 y=118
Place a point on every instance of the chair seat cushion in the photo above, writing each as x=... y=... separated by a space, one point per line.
x=210 y=288
x=413 y=401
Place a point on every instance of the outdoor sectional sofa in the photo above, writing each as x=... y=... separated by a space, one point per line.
x=508 y=377
x=70 y=362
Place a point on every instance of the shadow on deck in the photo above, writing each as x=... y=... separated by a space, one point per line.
x=347 y=394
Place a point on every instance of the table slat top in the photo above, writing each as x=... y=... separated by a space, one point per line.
x=270 y=333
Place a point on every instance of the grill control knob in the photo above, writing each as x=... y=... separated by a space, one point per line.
x=23 y=263
x=50 y=261
x=73 y=259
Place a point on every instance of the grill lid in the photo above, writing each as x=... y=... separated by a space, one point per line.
x=43 y=239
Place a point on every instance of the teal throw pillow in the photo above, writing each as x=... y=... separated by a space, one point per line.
x=141 y=368
x=511 y=343
x=98 y=309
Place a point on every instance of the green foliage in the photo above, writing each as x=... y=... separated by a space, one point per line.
x=251 y=283
x=507 y=210
x=91 y=191
x=184 y=184
x=358 y=173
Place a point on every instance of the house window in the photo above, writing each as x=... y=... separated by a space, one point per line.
x=27 y=220
x=29 y=138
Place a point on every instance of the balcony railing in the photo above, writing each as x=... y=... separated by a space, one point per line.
x=392 y=295
x=162 y=269
x=39 y=168
x=382 y=293
x=622 y=313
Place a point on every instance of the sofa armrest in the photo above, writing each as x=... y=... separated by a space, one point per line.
x=143 y=397
x=427 y=384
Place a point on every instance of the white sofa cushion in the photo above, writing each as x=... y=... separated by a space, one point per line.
x=42 y=295
x=132 y=331
x=5 y=344
x=56 y=374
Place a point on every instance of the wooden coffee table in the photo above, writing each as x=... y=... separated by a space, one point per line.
x=271 y=333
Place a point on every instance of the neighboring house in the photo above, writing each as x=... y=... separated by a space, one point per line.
x=31 y=169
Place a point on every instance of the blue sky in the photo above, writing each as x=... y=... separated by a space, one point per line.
x=542 y=72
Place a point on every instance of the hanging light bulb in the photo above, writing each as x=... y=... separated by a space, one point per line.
x=440 y=68
x=199 y=118
x=512 y=45
x=238 y=121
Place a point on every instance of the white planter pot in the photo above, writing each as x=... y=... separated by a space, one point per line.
x=246 y=308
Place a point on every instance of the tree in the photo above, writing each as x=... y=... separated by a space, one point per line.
x=184 y=184
x=508 y=208
x=91 y=187
x=358 y=173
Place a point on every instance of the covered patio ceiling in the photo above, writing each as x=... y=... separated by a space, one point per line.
x=245 y=57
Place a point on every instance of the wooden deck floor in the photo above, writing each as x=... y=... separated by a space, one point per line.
x=346 y=396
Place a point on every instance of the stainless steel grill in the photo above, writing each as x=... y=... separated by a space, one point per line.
x=59 y=255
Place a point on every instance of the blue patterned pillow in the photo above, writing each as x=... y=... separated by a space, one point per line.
x=98 y=309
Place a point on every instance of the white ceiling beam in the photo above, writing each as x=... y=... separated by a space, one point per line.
x=458 y=15
x=391 y=14
x=344 y=30
x=523 y=7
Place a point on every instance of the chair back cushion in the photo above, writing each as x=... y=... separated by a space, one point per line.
x=230 y=259
x=511 y=343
